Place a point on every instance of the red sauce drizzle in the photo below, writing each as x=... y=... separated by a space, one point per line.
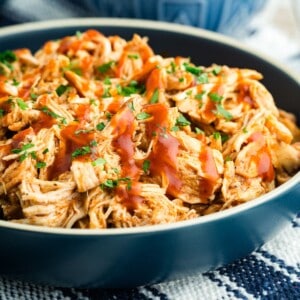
x=19 y=137
x=155 y=81
x=262 y=158
x=123 y=124
x=44 y=121
x=163 y=160
x=206 y=185
x=83 y=112
x=72 y=139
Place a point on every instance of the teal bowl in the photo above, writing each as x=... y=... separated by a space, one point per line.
x=129 y=257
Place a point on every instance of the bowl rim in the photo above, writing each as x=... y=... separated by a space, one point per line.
x=157 y=26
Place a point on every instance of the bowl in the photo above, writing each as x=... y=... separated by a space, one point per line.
x=129 y=257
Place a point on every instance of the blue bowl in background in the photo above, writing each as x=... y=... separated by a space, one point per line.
x=225 y=16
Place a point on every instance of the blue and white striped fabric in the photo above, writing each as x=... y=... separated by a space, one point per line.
x=272 y=272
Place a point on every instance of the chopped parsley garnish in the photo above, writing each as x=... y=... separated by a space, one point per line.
x=23 y=151
x=198 y=130
x=154 y=97
x=113 y=183
x=100 y=126
x=81 y=151
x=106 y=93
x=203 y=78
x=45 y=151
x=54 y=115
x=61 y=89
x=221 y=111
x=215 y=97
x=132 y=88
x=182 y=121
x=143 y=116
x=98 y=162
x=105 y=67
x=133 y=56
x=93 y=102
x=40 y=165
x=21 y=104
x=245 y=130
x=15 y=82
x=199 y=96
x=191 y=69
x=175 y=128
x=2 y=112
x=181 y=79
x=78 y=34
x=108 y=115
x=216 y=71
x=7 y=57
x=93 y=143
x=173 y=66
x=33 y=96
x=216 y=135
x=146 y=165
x=107 y=81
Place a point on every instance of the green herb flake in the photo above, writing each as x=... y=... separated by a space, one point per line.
x=15 y=82
x=21 y=104
x=215 y=97
x=245 y=130
x=50 y=113
x=7 y=57
x=106 y=93
x=40 y=165
x=109 y=184
x=181 y=79
x=93 y=102
x=33 y=96
x=81 y=151
x=182 y=121
x=107 y=81
x=192 y=69
x=108 y=115
x=45 y=151
x=61 y=89
x=133 y=56
x=198 y=130
x=146 y=165
x=2 y=112
x=217 y=70
x=200 y=95
x=173 y=66
x=217 y=135
x=228 y=158
x=100 y=126
x=155 y=95
x=78 y=34
x=99 y=161
x=221 y=111
x=105 y=67
x=175 y=128
x=203 y=78
x=143 y=116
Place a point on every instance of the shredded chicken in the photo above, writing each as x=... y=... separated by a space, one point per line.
x=100 y=132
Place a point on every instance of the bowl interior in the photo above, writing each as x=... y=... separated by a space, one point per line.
x=202 y=47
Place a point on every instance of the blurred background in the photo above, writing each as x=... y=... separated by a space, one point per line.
x=267 y=25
